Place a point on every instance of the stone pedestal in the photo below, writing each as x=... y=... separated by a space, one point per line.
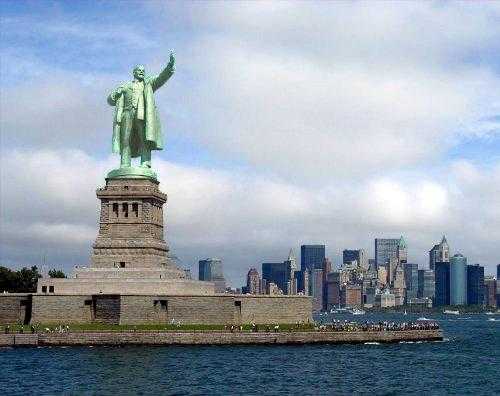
x=131 y=227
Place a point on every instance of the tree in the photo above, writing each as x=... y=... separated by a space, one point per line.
x=22 y=281
x=8 y=279
x=53 y=273
x=27 y=279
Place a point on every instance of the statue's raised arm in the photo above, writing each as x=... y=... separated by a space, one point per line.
x=136 y=127
x=165 y=74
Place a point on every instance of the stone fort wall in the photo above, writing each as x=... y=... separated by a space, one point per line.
x=158 y=309
x=15 y=308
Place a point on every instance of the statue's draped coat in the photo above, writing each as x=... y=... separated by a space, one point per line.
x=152 y=126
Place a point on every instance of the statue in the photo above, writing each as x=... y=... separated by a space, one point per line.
x=136 y=125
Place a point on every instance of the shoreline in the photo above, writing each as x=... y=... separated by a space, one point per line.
x=215 y=338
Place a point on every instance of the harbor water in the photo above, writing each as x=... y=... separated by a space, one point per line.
x=466 y=362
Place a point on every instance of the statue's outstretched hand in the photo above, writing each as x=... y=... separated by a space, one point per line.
x=171 y=62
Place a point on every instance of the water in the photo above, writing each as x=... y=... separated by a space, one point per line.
x=466 y=363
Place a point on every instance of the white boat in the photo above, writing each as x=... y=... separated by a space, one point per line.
x=451 y=312
x=339 y=311
x=358 y=312
x=422 y=318
x=405 y=313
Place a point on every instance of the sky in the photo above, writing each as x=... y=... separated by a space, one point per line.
x=286 y=123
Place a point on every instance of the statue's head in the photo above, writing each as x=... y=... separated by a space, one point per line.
x=139 y=72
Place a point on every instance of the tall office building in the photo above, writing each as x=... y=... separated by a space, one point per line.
x=275 y=273
x=359 y=255
x=302 y=278
x=439 y=253
x=442 y=282
x=316 y=289
x=498 y=271
x=311 y=257
x=490 y=291
x=210 y=270
x=332 y=290
x=475 y=284
x=253 y=281
x=458 y=280
x=426 y=284
x=411 y=280
x=291 y=262
x=385 y=249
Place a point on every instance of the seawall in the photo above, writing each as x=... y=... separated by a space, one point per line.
x=215 y=338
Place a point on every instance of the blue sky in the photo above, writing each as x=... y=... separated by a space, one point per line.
x=285 y=123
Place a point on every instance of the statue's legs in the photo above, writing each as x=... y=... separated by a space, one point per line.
x=125 y=134
x=145 y=150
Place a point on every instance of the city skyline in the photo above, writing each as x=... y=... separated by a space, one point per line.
x=403 y=128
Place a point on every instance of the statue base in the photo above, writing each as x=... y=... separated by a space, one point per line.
x=132 y=172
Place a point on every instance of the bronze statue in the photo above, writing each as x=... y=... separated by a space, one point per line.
x=136 y=126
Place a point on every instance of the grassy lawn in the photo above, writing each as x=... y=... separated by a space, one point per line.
x=151 y=327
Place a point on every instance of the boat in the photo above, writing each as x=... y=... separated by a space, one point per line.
x=405 y=313
x=358 y=312
x=339 y=310
x=451 y=312
x=422 y=318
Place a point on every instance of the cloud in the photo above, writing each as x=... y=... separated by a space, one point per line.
x=243 y=218
x=327 y=90
x=338 y=116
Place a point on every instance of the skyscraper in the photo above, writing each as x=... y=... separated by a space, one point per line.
x=475 y=284
x=275 y=273
x=333 y=290
x=291 y=261
x=316 y=289
x=359 y=255
x=490 y=291
x=210 y=270
x=385 y=249
x=442 y=282
x=426 y=284
x=498 y=271
x=253 y=281
x=303 y=282
x=411 y=280
x=439 y=253
x=311 y=257
x=458 y=280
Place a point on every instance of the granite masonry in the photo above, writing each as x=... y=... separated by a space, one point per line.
x=132 y=279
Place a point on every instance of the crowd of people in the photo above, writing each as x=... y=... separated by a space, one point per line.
x=378 y=326
x=336 y=325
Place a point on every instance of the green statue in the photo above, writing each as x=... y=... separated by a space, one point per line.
x=136 y=126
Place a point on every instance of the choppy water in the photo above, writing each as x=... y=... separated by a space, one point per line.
x=466 y=363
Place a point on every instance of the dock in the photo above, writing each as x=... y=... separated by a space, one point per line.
x=217 y=338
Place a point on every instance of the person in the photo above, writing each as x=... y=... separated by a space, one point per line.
x=136 y=126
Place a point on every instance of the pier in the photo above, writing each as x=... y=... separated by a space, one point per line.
x=216 y=338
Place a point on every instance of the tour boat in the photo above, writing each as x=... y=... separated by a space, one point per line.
x=358 y=312
x=451 y=312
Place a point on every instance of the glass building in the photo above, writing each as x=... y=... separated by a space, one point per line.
x=210 y=270
x=475 y=284
x=385 y=249
x=348 y=256
x=276 y=273
x=426 y=284
x=411 y=280
x=458 y=280
x=442 y=282
x=312 y=257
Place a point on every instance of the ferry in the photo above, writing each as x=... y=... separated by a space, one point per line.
x=339 y=311
x=451 y=312
x=358 y=312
